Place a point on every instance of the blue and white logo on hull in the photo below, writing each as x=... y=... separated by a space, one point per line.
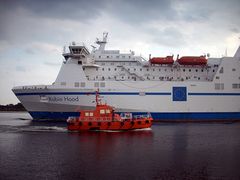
x=179 y=93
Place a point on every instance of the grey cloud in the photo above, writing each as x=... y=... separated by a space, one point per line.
x=20 y=69
x=57 y=9
x=169 y=36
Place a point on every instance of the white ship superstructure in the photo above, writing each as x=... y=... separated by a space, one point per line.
x=169 y=91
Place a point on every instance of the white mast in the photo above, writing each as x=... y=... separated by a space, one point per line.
x=103 y=42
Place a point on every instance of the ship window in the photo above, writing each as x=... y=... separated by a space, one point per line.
x=221 y=70
x=83 y=84
x=153 y=77
x=183 y=70
x=165 y=69
x=147 y=69
x=117 y=56
x=115 y=69
x=129 y=57
x=91 y=114
x=196 y=70
x=172 y=70
x=159 y=69
x=103 y=78
x=63 y=83
x=107 y=111
x=80 y=62
x=123 y=56
x=236 y=86
x=102 y=69
x=219 y=86
x=153 y=69
x=86 y=113
x=189 y=70
x=76 y=84
x=96 y=84
x=103 y=64
x=109 y=69
x=202 y=70
x=233 y=69
x=99 y=56
x=107 y=56
x=102 y=111
x=128 y=69
x=217 y=77
x=140 y=69
x=102 y=84
x=213 y=70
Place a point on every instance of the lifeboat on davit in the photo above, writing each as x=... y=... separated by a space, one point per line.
x=104 y=118
x=162 y=60
x=192 y=60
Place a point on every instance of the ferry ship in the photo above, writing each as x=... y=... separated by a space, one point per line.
x=187 y=88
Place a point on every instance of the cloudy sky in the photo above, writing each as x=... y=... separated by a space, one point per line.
x=33 y=33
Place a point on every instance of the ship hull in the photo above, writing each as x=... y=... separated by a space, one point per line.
x=168 y=104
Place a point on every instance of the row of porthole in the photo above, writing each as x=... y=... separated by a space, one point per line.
x=109 y=123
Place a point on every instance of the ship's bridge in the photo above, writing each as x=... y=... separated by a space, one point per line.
x=76 y=51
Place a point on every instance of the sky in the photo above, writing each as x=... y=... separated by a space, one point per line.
x=33 y=32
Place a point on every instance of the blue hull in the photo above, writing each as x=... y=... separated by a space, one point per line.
x=194 y=116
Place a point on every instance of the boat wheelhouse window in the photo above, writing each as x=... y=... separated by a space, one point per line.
x=76 y=84
x=102 y=84
x=63 y=83
x=109 y=69
x=107 y=111
x=91 y=114
x=86 y=113
x=83 y=84
x=80 y=62
x=102 y=111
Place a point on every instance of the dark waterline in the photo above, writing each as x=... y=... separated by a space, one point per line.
x=31 y=150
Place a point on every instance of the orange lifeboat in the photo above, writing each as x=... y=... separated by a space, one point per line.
x=162 y=60
x=104 y=118
x=192 y=60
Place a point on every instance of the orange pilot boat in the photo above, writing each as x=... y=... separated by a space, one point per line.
x=104 y=118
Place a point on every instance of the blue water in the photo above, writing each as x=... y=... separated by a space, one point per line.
x=44 y=150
